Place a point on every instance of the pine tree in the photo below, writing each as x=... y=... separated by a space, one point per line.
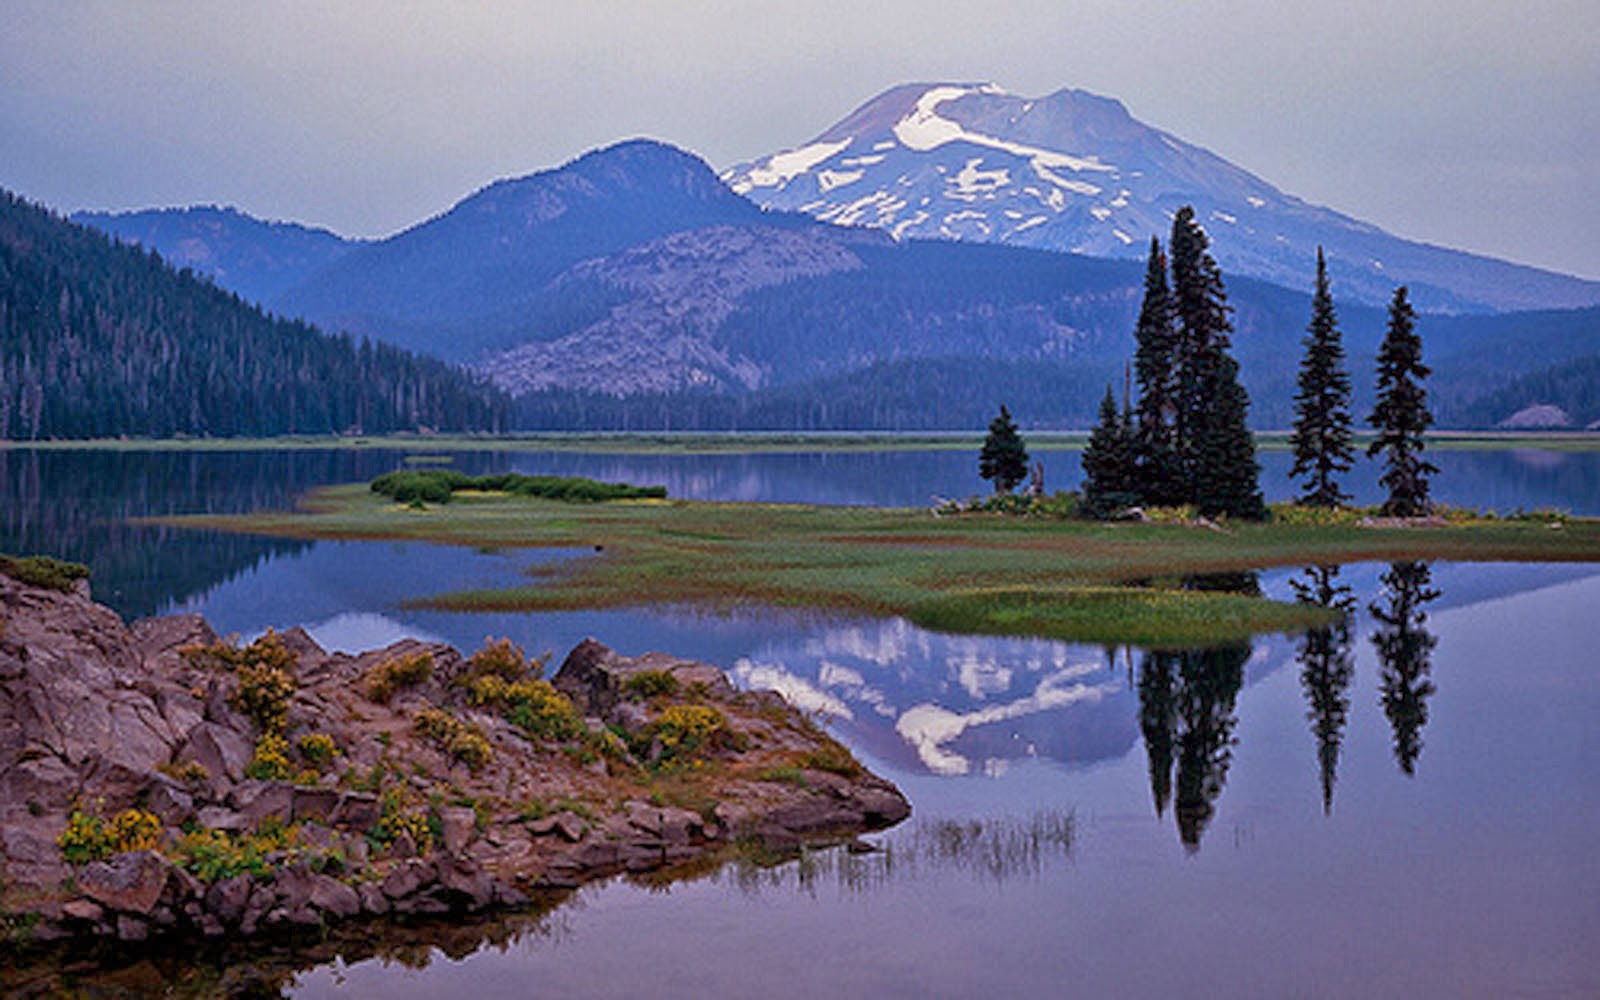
x=1004 y=458
x=1401 y=415
x=1110 y=477
x=1215 y=449
x=1321 y=438
x=1226 y=474
x=1160 y=476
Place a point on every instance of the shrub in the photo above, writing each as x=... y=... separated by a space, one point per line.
x=686 y=733
x=647 y=684
x=383 y=680
x=210 y=855
x=318 y=750
x=436 y=486
x=535 y=707
x=87 y=837
x=264 y=693
x=44 y=571
x=462 y=741
x=504 y=660
x=401 y=812
x=270 y=762
x=189 y=773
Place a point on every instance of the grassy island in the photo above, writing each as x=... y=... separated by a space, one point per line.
x=972 y=573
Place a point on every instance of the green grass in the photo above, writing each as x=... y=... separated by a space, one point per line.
x=44 y=571
x=984 y=574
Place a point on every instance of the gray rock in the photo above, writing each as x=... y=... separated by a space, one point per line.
x=226 y=899
x=315 y=804
x=334 y=897
x=459 y=826
x=373 y=900
x=406 y=878
x=128 y=883
x=257 y=801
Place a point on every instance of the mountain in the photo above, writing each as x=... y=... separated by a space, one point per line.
x=99 y=338
x=1075 y=171
x=255 y=258
x=469 y=280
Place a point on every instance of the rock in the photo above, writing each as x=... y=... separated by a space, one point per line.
x=128 y=883
x=593 y=677
x=223 y=752
x=334 y=897
x=170 y=802
x=160 y=641
x=315 y=804
x=459 y=825
x=469 y=882
x=569 y=825
x=226 y=899
x=372 y=899
x=131 y=929
x=221 y=818
x=355 y=811
x=406 y=878
x=83 y=909
x=261 y=800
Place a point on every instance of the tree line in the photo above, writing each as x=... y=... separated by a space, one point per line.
x=1185 y=440
x=99 y=339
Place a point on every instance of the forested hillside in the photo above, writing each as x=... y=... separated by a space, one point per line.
x=100 y=339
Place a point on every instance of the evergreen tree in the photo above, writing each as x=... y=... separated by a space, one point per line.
x=1226 y=474
x=1214 y=448
x=1110 y=477
x=1321 y=436
x=1160 y=476
x=1004 y=458
x=1401 y=415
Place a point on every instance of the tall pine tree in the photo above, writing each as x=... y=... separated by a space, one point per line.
x=1321 y=438
x=1401 y=416
x=1213 y=443
x=1004 y=458
x=1160 y=473
x=1110 y=477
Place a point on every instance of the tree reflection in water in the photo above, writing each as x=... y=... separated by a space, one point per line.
x=1326 y=669
x=1404 y=647
x=1186 y=713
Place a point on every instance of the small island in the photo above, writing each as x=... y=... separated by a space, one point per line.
x=162 y=782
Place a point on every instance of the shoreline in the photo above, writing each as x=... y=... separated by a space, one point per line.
x=744 y=442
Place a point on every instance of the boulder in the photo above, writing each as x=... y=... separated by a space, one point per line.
x=593 y=677
x=128 y=883
x=458 y=826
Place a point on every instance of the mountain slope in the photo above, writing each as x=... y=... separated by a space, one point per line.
x=1074 y=171
x=103 y=339
x=465 y=281
x=243 y=254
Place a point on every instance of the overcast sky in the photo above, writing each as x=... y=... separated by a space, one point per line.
x=1468 y=123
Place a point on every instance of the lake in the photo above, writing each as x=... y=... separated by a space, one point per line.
x=1402 y=806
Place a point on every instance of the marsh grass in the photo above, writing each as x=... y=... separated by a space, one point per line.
x=988 y=574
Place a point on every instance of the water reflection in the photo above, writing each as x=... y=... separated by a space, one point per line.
x=1327 y=667
x=1405 y=648
x=1187 y=702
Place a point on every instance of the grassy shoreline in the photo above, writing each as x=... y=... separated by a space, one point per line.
x=739 y=442
x=978 y=574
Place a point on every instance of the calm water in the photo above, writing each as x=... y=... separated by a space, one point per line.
x=1405 y=806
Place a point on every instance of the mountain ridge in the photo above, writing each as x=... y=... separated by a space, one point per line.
x=1076 y=171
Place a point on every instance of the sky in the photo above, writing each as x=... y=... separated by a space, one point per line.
x=1473 y=124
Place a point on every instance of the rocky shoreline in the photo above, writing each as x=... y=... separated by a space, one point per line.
x=156 y=781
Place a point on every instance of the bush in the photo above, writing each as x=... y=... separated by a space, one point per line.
x=318 y=750
x=44 y=571
x=647 y=684
x=535 y=707
x=834 y=758
x=436 y=486
x=87 y=837
x=462 y=741
x=264 y=693
x=504 y=660
x=401 y=812
x=270 y=762
x=687 y=732
x=383 y=680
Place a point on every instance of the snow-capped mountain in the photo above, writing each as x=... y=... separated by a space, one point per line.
x=1075 y=171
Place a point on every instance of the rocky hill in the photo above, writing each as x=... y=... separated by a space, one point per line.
x=157 y=781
